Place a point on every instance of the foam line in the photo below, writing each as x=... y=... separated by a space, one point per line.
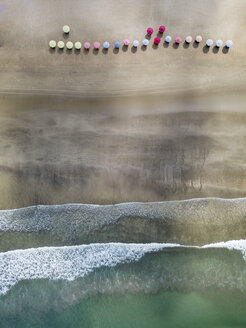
x=71 y=262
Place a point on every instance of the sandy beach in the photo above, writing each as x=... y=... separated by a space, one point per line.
x=148 y=125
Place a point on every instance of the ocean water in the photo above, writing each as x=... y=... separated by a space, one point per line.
x=124 y=285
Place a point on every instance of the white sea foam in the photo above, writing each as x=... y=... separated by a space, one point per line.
x=77 y=261
x=66 y=262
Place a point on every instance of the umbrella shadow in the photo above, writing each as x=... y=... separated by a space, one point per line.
x=69 y=52
x=225 y=50
x=155 y=46
x=105 y=51
x=125 y=48
x=205 y=49
x=216 y=49
x=143 y=48
x=166 y=44
x=77 y=51
x=195 y=44
x=86 y=52
x=52 y=50
x=159 y=34
x=186 y=45
x=65 y=35
x=134 y=49
x=147 y=36
x=116 y=51
x=175 y=45
x=60 y=51
x=95 y=52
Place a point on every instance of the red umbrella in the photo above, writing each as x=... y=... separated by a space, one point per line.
x=157 y=40
x=162 y=29
x=150 y=30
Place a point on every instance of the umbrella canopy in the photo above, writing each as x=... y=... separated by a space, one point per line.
x=229 y=43
x=87 y=45
x=135 y=43
x=69 y=45
x=162 y=29
x=145 y=42
x=60 y=44
x=209 y=42
x=150 y=31
x=219 y=43
x=78 y=45
x=157 y=40
x=97 y=45
x=188 y=39
x=168 y=39
x=198 y=38
x=178 y=39
x=66 y=29
x=106 y=45
x=117 y=44
x=126 y=42
x=52 y=44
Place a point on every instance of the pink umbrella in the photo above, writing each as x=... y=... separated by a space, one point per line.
x=162 y=29
x=97 y=45
x=126 y=42
x=178 y=39
x=87 y=45
x=150 y=31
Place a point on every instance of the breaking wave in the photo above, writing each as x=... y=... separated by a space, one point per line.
x=71 y=262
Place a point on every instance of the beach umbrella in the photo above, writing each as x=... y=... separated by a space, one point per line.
x=87 y=45
x=66 y=29
x=97 y=45
x=135 y=43
x=178 y=39
x=198 y=38
x=157 y=40
x=126 y=42
x=106 y=45
x=188 y=39
x=168 y=39
x=229 y=43
x=117 y=44
x=162 y=29
x=209 y=42
x=78 y=45
x=52 y=44
x=69 y=45
x=150 y=31
x=60 y=44
x=219 y=43
x=145 y=42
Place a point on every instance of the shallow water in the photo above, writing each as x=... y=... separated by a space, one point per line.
x=166 y=309
x=170 y=287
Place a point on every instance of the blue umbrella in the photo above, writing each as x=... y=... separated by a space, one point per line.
x=117 y=44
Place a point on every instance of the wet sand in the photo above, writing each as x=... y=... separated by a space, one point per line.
x=66 y=150
x=112 y=127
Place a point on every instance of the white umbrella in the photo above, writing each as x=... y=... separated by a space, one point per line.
x=69 y=45
x=52 y=44
x=78 y=45
x=60 y=44
x=66 y=29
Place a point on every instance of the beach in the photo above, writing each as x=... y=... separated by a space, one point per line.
x=152 y=124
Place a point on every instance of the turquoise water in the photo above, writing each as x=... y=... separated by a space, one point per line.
x=214 y=309
x=173 y=288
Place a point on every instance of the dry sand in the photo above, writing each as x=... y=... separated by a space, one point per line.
x=121 y=126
